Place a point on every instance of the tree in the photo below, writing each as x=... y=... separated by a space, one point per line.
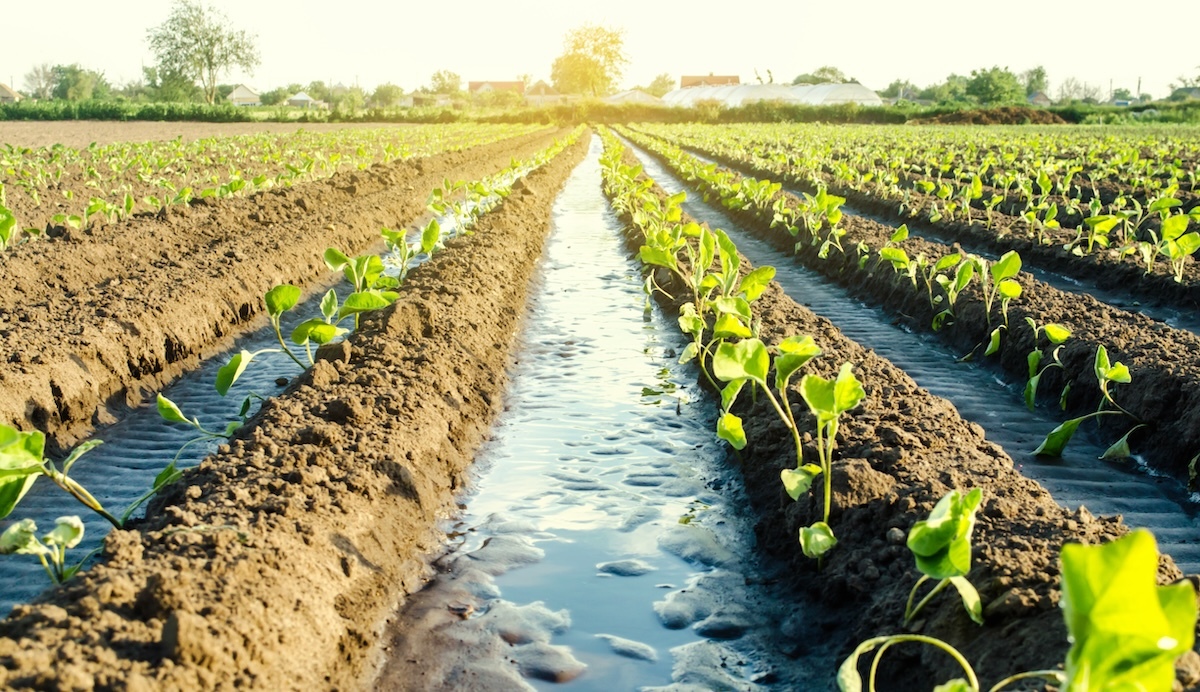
x=275 y=97
x=827 y=74
x=1070 y=90
x=1122 y=94
x=74 y=83
x=445 y=82
x=953 y=90
x=319 y=91
x=1035 y=80
x=197 y=41
x=166 y=86
x=386 y=95
x=661 y=85
x=592 y=62
x=995 y=86
x=900 y=88
x=39 y=81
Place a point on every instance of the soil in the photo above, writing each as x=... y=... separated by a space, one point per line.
x=93 y=321
x=897 y=454
x=272 y=563
x=1004 y=115
x=80 y=133
x=1164 y=362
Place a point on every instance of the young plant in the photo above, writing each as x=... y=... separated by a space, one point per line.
x=21 y=539
x=1107 y=373
x=952 y=287
x=1176 y=244
x=996 y=280
x=941 y=545
x=1125 y=631
x=1057 y=335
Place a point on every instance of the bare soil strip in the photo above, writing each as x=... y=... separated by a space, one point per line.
x=92 y=322
x=271 y=564
x=898 y=453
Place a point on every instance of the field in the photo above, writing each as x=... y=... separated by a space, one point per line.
x=656 y=406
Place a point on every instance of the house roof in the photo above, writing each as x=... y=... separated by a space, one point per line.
x=709 y=80
x=518 y=87
x=301 y=97
x=541 y=88
x=242 y=91
x=7 y=92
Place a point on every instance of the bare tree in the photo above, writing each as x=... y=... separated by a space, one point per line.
x=39 y=81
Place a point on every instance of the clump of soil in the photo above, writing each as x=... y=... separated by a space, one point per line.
x=1004 y=115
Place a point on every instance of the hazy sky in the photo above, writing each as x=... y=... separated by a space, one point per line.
x=875 y=41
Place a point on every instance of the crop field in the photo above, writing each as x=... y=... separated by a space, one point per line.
x=649 y=406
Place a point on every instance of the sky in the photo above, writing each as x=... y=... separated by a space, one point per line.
x=876 y=41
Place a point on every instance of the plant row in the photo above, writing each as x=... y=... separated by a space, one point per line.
x=373 y=281
x=61 y=187
x=1128 y=201
x=1124 y=628
x=973 y=303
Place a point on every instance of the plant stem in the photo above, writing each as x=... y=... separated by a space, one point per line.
x=1055 y=676
x=80 y=493
x=928 y=597
x=288 y=351
x=972 y=679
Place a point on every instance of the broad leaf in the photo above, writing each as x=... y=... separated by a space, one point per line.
x=362 y=301
x=970 y=598
x=317 y=331
x=231 y=371
x=658 y=257
x=1058 y=438
x=728 y=325
x=281 y=299
x=797 y=481
x=1008 y=266
x=335 y=259
x=170 y=412
x=754 y=283
x=941 y=544
x=67 y=532
x=747 y=359
x=729 y=428
x=1056 y=333
x=816 y=540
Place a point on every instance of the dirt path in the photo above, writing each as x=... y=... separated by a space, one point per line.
x=92 y=323
x=271 y=564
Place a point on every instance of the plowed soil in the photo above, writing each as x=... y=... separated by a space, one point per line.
x=271 y=564
x=897 y=454
x=94 y=321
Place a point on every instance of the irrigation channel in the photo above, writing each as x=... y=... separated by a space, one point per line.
x=981 y=394
x=605 y=542
x=141 y=444
x=1167 y=313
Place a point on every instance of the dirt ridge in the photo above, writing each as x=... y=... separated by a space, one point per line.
x=94 y=322
x=272 y=563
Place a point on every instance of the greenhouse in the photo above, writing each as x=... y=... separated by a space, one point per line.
x=806 y=94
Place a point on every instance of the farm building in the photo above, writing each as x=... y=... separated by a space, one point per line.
x=809 y=95
x=540 y=93
x=710 y=80
x=7 y=95
x=303 y=100
x=1039 y=99
x=484 y=87
x=243 y=95
x=634 y=96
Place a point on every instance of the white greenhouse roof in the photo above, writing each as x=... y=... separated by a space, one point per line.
x=811 y=95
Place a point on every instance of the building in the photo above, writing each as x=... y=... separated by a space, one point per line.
x=7 y=95
x=485 y=87
x=303 y=100
x=807 y=95
x=1039 y=99
x=634 y=96
x=243 y=95
x=541 y=94
x=711 y=80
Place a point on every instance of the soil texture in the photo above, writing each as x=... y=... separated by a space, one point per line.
x=272 y=563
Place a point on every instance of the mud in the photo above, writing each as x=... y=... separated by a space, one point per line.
x=93 y=322
x=271 y=565
x=1164 y=362
x=897 y=454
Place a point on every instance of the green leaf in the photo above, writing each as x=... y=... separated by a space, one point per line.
x=941 y=544
x=658 y=257
x=897 y=257
x=1126 y=631
x=754 y=283
x=730 y=393
x=970 y=598
x=430 y=236
x=848 y=679
x=728 y=325
x=231 y=371
x=816 y=540
x=281 y=299
x=993 y=342
x=1174 y=226
x=1057 y=333
x=734 y=305
x=729 y=428
x=947 y=262
x=335 y=259
x=795 y=352
x=80 y=450
x=747 y=359
x=1008 y=266
x=21 y=538
x=317 y=331
x=1031 y=391
x=329 y=304
x=690 y=322
x=847 y=390
x=955 y=685
x=170 y=412
x=797 y=481
x=962 y=278
x=690 y=352
x=67 y=532
x=167 y=476
x=900 y=235
x=1120 y=449
x=708 y=249
x=1058 y=438
x=362 y=301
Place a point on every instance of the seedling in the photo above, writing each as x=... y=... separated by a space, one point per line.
x=51 y=550
x=1107 y=373
x=941 y=545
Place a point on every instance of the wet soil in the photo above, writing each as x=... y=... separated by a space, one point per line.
x=1164 y=362
x=272 y=563
x=92 y=322
x=899 y=452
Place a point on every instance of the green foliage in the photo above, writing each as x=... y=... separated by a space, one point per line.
x=197 y=42
x=941 y=545
x=592 y=62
